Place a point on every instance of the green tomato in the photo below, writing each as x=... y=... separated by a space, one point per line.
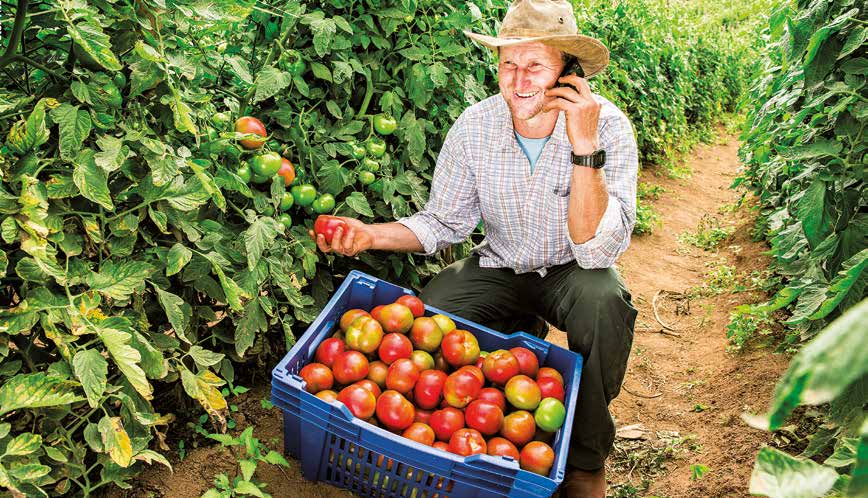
x=366 y=177
x=266 y=164
x=293 y=62
x=358 y=152
x=268 y=210
x=113 y=95
x=377 y=186
x=120 y=80
x=245 y=173
x=385 y=124
x=304 y=195
x=286 y=201
x=285 y=220
x=324 y=204
x=220 y=119
x=550 y=414
x=370 y=165
x=261 y=178
x=375 y=148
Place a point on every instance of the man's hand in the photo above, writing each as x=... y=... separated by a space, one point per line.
x=581 y=110
x=358 y=238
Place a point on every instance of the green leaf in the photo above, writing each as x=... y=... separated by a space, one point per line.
x=5 y=427
x=848 y=280
x=183 y=115
x=269 y=82
x=859 y=484
x=333 y=177
x=30 y=471
x=90 y=37
x=120 y=280
x=92 y=370
x=36 y=390
x=822 y=370
x=320 y=71
x=248 y=467
x=779 y=475
x=359 y=203
x=74 y=125
x=4 y=262
x=825 y=32
x=177 y=259
x=115 y=334
x=856 y=39
x=9 y=230
x=259 y=237
x=845 y=453
x=820 y=147
x=113 y=154
x=241 y=68
x=323 y=33
x=275 y=458
x=23 y=444
x=208 y=184
x=205 y=358
x=248 y=488
x=815 y=212
x=115 y=440
x=91 y=180
x=249 y=324
x=178 y=312
x=414 y=134
x=150 y=456
x=230 y=287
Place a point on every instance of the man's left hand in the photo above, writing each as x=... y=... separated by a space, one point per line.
x=581 y=110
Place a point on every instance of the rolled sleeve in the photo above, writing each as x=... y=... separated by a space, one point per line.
x=612 y=236
x=423 y=231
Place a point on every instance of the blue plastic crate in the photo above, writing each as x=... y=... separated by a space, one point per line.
x=337 y=448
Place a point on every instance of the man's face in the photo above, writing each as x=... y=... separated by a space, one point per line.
x=524 y=73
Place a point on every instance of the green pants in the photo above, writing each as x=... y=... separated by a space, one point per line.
x=592 y=306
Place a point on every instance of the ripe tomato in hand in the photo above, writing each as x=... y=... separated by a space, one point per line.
x=326 y=225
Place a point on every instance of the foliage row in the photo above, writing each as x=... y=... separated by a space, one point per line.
x=140 y=272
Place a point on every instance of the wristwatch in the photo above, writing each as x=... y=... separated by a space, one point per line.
x=595 y=160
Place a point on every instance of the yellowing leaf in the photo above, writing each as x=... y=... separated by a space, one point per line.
x=116 y=441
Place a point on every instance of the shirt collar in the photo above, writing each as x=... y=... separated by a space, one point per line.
x=507 y=136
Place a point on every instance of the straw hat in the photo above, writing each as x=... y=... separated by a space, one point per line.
x=551 y=22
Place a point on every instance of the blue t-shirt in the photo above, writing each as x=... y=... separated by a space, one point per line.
x=532 y=147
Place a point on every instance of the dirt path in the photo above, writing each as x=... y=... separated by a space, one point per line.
x=687 y=390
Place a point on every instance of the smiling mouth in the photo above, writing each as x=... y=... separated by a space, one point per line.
x=525 y=95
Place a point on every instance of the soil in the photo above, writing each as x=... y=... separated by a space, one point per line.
x=684 y=391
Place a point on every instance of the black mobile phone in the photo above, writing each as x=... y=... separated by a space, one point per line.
x=571 y=66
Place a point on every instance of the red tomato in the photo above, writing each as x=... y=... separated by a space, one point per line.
x=484 y=416
x=429 y=389
x=476 y=371
x=446 y=421
x=402 y=376
x=375 y=312
x=549 y=372
x=466 y=442
x=440 y=445
x=328 y=350
x=326 y=225
x=493 y=395
x=359 y=400
x=528 y=364
x=350 y=316
x=460 y=347
x=500 y=366
x=394 y=411
x=327 y=395
x=426 y=334
x=249 y=124
x=498 y=446
x=519 y=427
x=287 y=171
x=377 y=371
x=394 y=347
x=461 y=388
x=317 y=377
x=395 y=317
x=349 y=367
x=537 y=457
x=370 y=386
x=419 y=432
x=550 y=387
x=364 y=334
x=414 y=303
x=422 y=415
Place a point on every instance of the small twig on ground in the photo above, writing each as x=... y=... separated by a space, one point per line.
x=659 y=331
x=638 y=395
x=656 y=314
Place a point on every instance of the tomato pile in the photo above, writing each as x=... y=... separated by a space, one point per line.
x=425 y=379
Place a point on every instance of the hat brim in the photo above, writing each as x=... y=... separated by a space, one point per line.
x=593 y=56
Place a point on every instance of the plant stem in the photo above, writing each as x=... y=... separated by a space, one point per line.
x=17 y=31
x=369 y=92
x=275 y=48
x=38 y=65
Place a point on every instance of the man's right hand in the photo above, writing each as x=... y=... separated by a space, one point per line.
x=359 y=237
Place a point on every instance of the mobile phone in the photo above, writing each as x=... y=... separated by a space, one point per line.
x=571 y=66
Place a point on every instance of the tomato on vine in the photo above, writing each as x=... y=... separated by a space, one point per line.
x=260 y=178
x=287 y=171
x=375 y=147
x=304 y=195
x=119 y=79
x=267 y=164
x=285 y=220
x=385 y=124
x=286 y=201
x=366 y=177
x=324 y=204
x=244 y=173
x=250 y=125
x=358 y=152
x=369 y=164
x=293 y=62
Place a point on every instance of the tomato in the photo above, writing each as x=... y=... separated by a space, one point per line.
x=304 y=194
x=493 y=395
x=250 y=125
x=523 y=392
x=420 y=432
x=476 y=371
x=414 y=303
x=326 y=225
x=293 y=62
x=328 y=350
x=549 y=372
x=467 y=442
x=268 y=210
x=266 y=164
x=324 y=204
x=370 y=386
x=460 y=347
x=484 y=416
x=119 y=79
x=350 y=316
x=286 y=201
x=287 y=171
x=402 y=376
x=550 y=414
x=445 y=422
x=375 y=148
x=528 y=364
x=357 y=151
x=375 y=312
x=377 y=186
x=394 y=411
x=377 y=371
x=549 y=387
x=422 y=359
x=316 y=377
x=260 y=178
x=364 y=335
x=366 y=177
x=446 y=324
x=286 y=220
x=244 y=172
x=327 y=395
x=395 y=317
x=394 y=347
x=537 y=457
x=359 y=400
x=440 y=445
x=422 y=415
x=220 y=119
x=500 y=366
x=349 y=367
x=498 y=446
x=519 y=427
x=385 y=124
x=426 y=334
x=461 y=387
x=429 y=389
x=369 y=164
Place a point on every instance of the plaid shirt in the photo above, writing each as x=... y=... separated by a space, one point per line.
x=482 y=172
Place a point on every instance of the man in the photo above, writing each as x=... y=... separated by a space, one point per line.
x=551 y=171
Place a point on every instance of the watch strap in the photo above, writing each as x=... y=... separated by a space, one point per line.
x=594 y=160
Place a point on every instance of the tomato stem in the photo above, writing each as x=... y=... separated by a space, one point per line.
x=17 y=31
x=369 y=92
